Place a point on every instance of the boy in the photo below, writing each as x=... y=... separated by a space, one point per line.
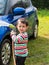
x=20 y=41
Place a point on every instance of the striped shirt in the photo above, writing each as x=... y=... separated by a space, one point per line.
x=20 y=44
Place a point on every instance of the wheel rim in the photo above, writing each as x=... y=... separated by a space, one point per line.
x=35 y=31
x=5 y=53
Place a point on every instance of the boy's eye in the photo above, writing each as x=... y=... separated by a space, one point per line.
x=23 y=26
x=19 y=26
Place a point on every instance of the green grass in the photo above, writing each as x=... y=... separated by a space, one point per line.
x=43 y=16
x=39 y=48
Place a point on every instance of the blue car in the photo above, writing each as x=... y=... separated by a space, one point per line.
x=10 y=12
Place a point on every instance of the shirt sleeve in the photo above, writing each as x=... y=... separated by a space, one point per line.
x=23 y=38
x=15 y=38
x=20 y=38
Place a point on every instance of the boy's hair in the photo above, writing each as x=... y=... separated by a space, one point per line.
x=23 y=20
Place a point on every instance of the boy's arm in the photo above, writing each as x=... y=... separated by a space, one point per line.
x=23 y=38
x=13 y=35
x=22 y=41
x=20 y=38
x=13 y=53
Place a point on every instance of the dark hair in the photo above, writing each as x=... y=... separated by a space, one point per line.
x=23 y=20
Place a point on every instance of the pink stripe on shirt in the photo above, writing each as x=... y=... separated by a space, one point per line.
x=22 y=52
x=20 y=47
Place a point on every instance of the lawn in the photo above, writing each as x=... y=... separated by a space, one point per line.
x=39 y=48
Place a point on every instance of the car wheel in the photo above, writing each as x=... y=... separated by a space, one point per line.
x=5 y=52
x=35 y=32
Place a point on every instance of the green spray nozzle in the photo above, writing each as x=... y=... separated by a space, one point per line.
x=12 y=26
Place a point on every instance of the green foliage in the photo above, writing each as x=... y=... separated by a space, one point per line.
x=41 y=3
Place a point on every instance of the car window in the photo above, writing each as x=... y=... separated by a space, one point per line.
x=2 y=6
x=26 y=3
x=20 y=3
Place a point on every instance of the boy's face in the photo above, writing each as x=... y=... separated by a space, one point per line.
x=21 y=27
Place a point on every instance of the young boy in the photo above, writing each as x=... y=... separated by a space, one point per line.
x=20 y=41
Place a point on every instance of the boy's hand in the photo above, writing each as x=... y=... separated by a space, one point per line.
x=12 y=33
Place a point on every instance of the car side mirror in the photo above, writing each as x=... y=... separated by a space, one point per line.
x=18 y=11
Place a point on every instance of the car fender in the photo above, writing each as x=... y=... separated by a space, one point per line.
x=4 y=31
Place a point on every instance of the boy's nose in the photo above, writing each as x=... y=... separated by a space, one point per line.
x=21 y=27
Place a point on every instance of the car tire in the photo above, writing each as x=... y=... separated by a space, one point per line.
x=5 y=52
x=35 y=32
